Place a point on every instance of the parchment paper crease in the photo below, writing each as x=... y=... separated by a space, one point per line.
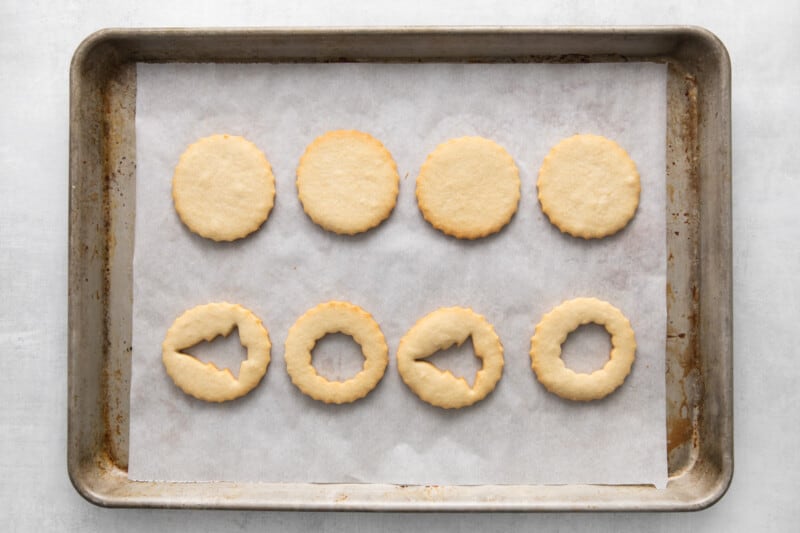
x=399 y=272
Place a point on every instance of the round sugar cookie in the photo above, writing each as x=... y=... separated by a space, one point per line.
x=347 y=181
x=553 y=330
x=204 y=380
x=468 y=187
x=588 y=186
x=223 y=187
x=335 y=317
x=440 y=330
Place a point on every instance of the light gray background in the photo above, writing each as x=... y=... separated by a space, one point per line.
x=36 y=43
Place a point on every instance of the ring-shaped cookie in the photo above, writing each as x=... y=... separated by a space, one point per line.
x=468 y=187
x=440 y=330
x=204 y=380
x=223 y=187
x=553 y=330
x=588 y=186
x=335 y=317
x=347 y=181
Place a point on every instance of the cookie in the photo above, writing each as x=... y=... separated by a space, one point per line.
x=204 y=380
x=588 y=186
x=347 y=181
x=223 y=188
x=335 y=317
x=551 y=333
x=440 y=330
x=468 y=187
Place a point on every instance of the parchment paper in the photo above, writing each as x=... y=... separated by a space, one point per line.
x=399 y=272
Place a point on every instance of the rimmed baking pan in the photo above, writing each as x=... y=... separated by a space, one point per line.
x=698 y=369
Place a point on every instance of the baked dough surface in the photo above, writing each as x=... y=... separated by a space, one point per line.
x=335 y=317
x=551 y=333
x=223 y=187
x=468 y=187
x=588 y=186
x=440 y=330
x=204 y=380
x=347 y=181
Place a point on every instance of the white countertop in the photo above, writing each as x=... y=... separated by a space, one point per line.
x=37 y=40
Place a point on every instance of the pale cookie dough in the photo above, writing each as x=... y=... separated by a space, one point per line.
x=468 y=187
x=204 y=380
x=438 y=331
x=551 y=333
x=223 y=187
x=347 y=181
x=336 y=317
x=588 y=186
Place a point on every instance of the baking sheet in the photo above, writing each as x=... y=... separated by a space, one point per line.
x=399 y=272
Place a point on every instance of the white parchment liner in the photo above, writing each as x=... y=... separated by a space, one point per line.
x=399 y=272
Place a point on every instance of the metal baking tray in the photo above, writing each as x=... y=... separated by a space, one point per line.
x=699 y=354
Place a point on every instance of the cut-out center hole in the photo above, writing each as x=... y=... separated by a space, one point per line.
x=461 y=361
x=586 y=349
x=337 y=357
x=224 y=352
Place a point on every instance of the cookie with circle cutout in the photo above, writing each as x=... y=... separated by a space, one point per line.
x=552 y=332
x=223 y=187
x=205 y=381
x=335 y=317
x=438 y=331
